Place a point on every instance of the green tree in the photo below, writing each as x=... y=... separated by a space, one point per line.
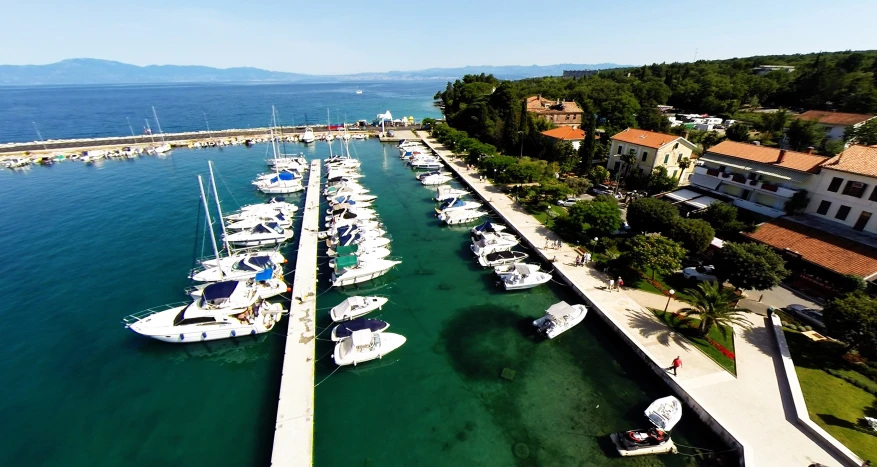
x=694 y=234
x=427 y=123
x=852 y=319
x=865 y=134
x=803 y=134
x=797 y=203
x=659 y=182
x=657 y=253
x=749 y=266
x=713 y=305
x=588 y=148
x=651 y=215
x=738 y=132
x=578 y=185
x=590 y=218
x=628 y=162
x=773 y=123
x=598 y=174
x=723 y=218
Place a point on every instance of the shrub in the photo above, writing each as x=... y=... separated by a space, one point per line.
x=808 y=328
x=792 y=327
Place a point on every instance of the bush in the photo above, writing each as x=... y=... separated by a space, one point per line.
x=651 y=215
x=868 y=388
x=792 y=327
x=543 y=206
x=808 y=328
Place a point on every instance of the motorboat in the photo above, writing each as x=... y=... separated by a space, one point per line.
x=281 y=183
x=308 y=136
x=162 y=148
x=438 y=179
x=350 y=270
x=501 y=257
x=525 y=276
x=262 y=178
x=359 y=198
x=422 y=175
x=560 y=317
x=363 y=254
x=344 y=189
x=504 y=270
x=356 y=236
x=348 y=217
x=286 y=161
x=368 y=231
x=277 y=204
x=406 y=143
x=266 y=283
x=264 y=234
x=350 y=205
x=355 y=249
x=361 y=213
x=343 y=226
x=461 y=217
x=492 y=243
x=364 y=242
x=457 y=204
x=364 y=345
x=258 y=218
x=664 y=414
x=245 y=268
x=487 y=227
x=224 y=310
x=16 y=162
x=356 y=306
x=344 y=330
x=445 y=193
x=427 y=162
x=227 y=262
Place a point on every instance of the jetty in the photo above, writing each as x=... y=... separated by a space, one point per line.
x=294 y=426
x=749 y=410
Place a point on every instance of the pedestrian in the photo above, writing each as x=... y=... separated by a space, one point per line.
x=557 y=244
x=577 y=261
x=611 y=284
x=866 y=464
x=677 y=363
x=620 y=284
x=588 y=258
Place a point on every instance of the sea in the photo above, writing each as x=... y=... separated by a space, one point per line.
x=85 y=245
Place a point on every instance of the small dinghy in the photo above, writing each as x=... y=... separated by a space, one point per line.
x=664 y=414
x=344 y=330
x=560 y=317
x=364 y=345
x=501 y=257
x=525 y=276
x=354 y=307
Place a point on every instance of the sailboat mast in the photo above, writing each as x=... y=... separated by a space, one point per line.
x=151 y=138
x=210 y=225
x=219 y=209
x=329 y=132
x=158 y=124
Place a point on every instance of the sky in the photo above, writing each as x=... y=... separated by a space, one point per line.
x=355 y=36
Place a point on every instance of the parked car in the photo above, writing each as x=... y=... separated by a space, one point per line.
x=688 y=262
x=700 y=273
x=568 y=202
x=811 y=316
x=597 y=190
x=623 y=231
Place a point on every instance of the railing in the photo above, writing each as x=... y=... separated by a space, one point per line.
x=135 y=317
x=740 y=180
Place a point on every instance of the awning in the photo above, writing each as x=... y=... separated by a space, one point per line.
x=682 y=195
x=705 y=181
x=701 y=202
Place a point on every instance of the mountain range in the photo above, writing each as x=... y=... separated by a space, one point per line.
x=95 y=71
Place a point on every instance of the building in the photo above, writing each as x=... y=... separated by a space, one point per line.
x=765 y=69
x=577 y=74
x=652 y=150
x=556 y=111
x=756 y=178
x=835 y=123
x=846 y=189
x=574 y=136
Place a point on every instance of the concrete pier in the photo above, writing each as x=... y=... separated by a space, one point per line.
x=294 y=427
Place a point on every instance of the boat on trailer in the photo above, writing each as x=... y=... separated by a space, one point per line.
x=664 y=414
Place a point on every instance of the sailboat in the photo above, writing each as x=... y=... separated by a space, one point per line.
x=165 y=147
x=281 y=182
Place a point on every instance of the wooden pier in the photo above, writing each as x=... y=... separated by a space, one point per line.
x=294 y=427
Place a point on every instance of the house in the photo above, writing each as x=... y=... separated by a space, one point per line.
x=559 y=112
x=756 y=178
x=652 y=150
x=574 y=136
x=846 y=189
x=835 y=123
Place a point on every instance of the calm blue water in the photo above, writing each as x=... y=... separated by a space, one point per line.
x=60 y=112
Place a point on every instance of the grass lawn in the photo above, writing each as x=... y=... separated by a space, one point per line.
x=674 y=281
x=833 y=403
x=544 y=218
x=724 y=336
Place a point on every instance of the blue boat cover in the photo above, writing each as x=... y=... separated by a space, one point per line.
x=347 y=328
x=278 y=199
x=264 y=274
x=260 y=261
x=287 y=176
x=219 y=290
x=281 y=217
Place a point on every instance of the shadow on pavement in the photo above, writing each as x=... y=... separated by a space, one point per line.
x=650 y=327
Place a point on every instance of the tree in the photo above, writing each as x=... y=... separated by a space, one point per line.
x=865 y=134
x=628 y=160
x=803 y=134
x=694 y=234
x=738 y=132
x=773 y=123
x=651 y=215
x=427 y=123
x=723 y=218
x=589 y=146
x=598 y=174
x=749 y=266
x=657 y=253
x=712 y=303
x=595 y=218
x=852 y=319
x=797 y=203
x=578 y=185
x=658 y=181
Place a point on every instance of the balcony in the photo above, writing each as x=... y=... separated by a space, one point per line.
x=742 y=181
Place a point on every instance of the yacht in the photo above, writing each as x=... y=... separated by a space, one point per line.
x=504 y=270
x=266 y=283
x=492 y=243
x=425 y=162
x=487 y=227
x=457 y=204
x=349 y=270
x=364 y=242
x=560 y=317
x=264 y=234
x=358 y=207
x=344 y=330
x=356 y=236
x=525 y=276
x=277 y=204
x=281 y=183
x=360 y=213
x=461 y=217
x=257 y=218
x=308 y=136
x=343 y=226
x=364 y=345
x=244 y=268
x=432 y=180
x=224 y=310
x=501 y=257
x=369 y=254
x=406 y=143
x=267 y=176
x=16 y=162
x=359 y=91
x=445 y=193
x=359 y=198
x=422 y=175
x=356 y=306
x=290 y=162
x=348 y=217
x=664 y=414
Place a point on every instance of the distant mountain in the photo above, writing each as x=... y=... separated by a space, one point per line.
x=94 y=71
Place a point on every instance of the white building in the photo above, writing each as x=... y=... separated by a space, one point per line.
x=846 y=189
x=652 y=150
x=835 y=123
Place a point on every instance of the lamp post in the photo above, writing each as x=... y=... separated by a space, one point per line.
x=668 y=300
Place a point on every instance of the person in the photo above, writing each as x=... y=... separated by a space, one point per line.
x=611 y=284
x=620 y=284
x=578 y=261
x=557 y=244
x=866 y=464
x=588 y=258
x=677 y=362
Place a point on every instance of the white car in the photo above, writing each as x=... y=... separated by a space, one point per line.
x=811 y=316
x=568 y=202
x=700 y=273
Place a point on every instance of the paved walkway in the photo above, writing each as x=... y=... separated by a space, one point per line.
x=754 y=407
x=294 y=427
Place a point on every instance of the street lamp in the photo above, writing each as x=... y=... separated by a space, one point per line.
x=668 y=300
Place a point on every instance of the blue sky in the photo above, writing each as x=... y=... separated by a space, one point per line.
x=348 y=37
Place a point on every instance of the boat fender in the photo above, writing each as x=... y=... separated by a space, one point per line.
x=253 y=332
x=232 y=333
x=182 y=337
x=204 y=335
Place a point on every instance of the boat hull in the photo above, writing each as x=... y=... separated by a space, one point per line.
x=389 y=343
x=209 y=332
x=667 y=447
x=346 y=279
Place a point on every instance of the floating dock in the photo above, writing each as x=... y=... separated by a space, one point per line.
x=294 y=427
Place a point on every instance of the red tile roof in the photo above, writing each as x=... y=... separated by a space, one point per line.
x=793 y=160
x=565 y=133
x=855 y=159
x=834 y=118
x=649 y=139
x=832 y=252
x=540 y=104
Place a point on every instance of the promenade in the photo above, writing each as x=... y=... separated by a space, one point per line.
x=294 y=427
x=755 y=407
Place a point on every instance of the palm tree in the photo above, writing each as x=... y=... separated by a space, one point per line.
x=712 y=303
x=629 y=161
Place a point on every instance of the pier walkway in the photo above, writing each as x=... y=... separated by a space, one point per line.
x=754 y=407
x=294 y=427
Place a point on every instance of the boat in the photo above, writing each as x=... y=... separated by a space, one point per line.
x=364 y=254
x=16 y=162
x=344 y=330
x=504 y=270
x=492 y=243
x=258 y=218
x=359 y=91
x=356 y=306
x=406 y=143
x=280 y=182
x=426 y=162
x=364 y=345
x=487 y=227
x=358 y=207
x=359 y=213
x=438 y=179
x=444 y=193
x=266 y=283
x=264 y=234
x=164 y=147
x=501 y=257
x=308 y=136
x=267 y=176
x=350 y=270
x=224 y=310
x=525 y=276
x=461 y=217
x=357 y=197
x=358 y=250
x=275 y=205
x=560 y=317
x=364 y=242
x=348 y=217
x=457 y=204
x=664 y=414
x=238 y=267
x=342 y=227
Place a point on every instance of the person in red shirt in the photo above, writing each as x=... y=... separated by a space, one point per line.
x=677 y=362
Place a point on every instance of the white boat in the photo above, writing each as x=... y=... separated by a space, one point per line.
x=346 y=329
x=524 y=277
x=337 y=174
x=359 y=91
x=664 y=414
x=347 y=223
x=364 y=345
x=352 y=206
x=282 y=183
x=264 y=234
x=501 y=257
x=308 y=136
x=356 y=306
x=345 y=188
x=16 y=162
x=560 y=317
x=487 y=227
x=359 y=213
x=492 y=243
x=348 y=217
x=164 y=147
x=457 y=204
x=275 y=205
x=406 y=143
x=366 y=255
x=357 y=236
x=461 y=217
x=504 y=270
x=425 y=163
x=365 y=243
x=246 y=266
x=433 y=180
x=358 y=250
x=224 y=310
x=349 y=270
x=267 y=176
x=358 y=197
x=267 y=283
x=259 y=218
x=444 y=193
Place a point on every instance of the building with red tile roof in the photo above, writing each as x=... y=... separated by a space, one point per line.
x=560 y=113
x=575 y=136
x=652 y=150
x=846 y=189
x=835 y=123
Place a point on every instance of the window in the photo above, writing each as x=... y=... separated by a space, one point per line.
x=674 y=173
x=679 y=157
x=842 y=213
x=666 y=158
x=873 y=196
x=863 y=219
x=855 y=189
x=835 y=184
x=823 y=207
x=619 y=149
x=645 y=155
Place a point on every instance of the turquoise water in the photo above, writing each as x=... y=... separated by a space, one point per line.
x=86 y=245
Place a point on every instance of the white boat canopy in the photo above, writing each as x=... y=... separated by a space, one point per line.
x=361 y=337
x=561 y=310
x=665 y=412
